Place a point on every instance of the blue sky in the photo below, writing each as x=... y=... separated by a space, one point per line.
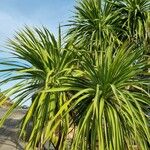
x=14 y=14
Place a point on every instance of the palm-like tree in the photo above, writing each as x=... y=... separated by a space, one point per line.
x=39 y=62
x=133 y=15
x=91 y=85
x=116 y=20
x=108 y=100
x=93 y=23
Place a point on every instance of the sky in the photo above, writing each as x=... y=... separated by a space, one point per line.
x=15 y=14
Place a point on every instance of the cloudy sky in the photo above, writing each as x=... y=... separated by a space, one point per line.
x=14 y=14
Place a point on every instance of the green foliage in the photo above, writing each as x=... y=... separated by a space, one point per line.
x=94 y=22
x=133 y=15
x=109 y=21
x=39 y=63
x=108 y=113
x=90 y=91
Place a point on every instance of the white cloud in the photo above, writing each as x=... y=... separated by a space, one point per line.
x=11 y=23
x=8 y=25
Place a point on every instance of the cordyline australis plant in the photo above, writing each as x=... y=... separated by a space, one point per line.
x=90 y=91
